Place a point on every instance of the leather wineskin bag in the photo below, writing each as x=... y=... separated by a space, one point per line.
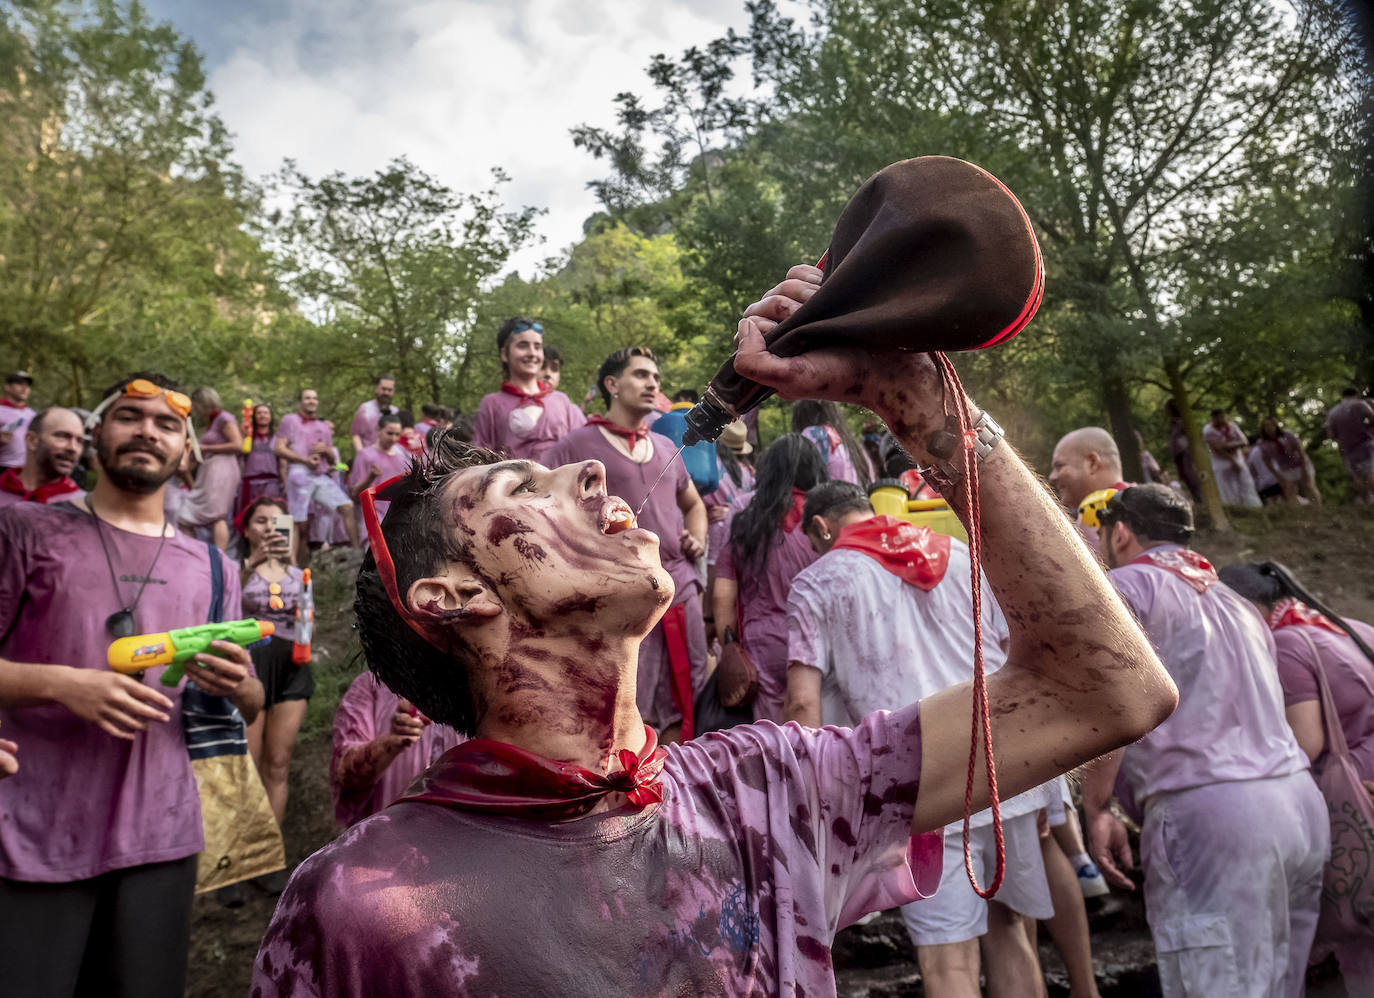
x=738 y=679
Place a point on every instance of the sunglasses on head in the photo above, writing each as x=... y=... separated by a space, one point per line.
x=142 y=388
x=386 y=568
x=521 y=327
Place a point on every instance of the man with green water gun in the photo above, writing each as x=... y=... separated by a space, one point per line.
x=103 y=817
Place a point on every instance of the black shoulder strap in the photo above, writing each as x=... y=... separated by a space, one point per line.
x=216 y=583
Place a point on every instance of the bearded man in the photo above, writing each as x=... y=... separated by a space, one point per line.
x=102 y=823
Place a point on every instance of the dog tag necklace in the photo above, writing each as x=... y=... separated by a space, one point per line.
x=121 y=623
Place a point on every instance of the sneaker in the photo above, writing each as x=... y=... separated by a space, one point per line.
x=1091 y=881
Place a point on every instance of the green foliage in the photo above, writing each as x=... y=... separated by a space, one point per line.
x=393 y=270
x=121 y=211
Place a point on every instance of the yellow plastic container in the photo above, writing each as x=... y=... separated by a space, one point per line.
x=893 y=500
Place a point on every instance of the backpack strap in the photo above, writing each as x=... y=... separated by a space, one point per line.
x=216 y=583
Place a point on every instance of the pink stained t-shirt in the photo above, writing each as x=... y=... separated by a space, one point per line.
x=762 y=606
x=1350 y=423
x=631 y=481
x=768 y=841
x=1229 y=724
x=84 y=802
x=300 y=435
x=1284 y=453
x=1349 y=674
x=15 y=419
x=389 y=465
x=718 y=532
x=507 y=424
x=365 y=417
x=835 y=454
x=365 y=714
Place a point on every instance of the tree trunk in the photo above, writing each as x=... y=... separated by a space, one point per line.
x=1118 y=403
x=1202 y=457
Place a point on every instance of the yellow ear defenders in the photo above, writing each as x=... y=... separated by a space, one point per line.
x=1090 y=509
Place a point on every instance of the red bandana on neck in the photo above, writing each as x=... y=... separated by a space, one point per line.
x=917 y=555
x=492 y=777
x=1290 y=612
x=793 y=517
x=10 y=482
x=12 y=405
x=640 y=432
x=536 y=397
x=1189 y=566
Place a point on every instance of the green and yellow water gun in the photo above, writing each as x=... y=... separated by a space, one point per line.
x=173 y=648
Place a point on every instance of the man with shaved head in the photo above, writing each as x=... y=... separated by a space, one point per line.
x=1084 y=461
x=53 y=441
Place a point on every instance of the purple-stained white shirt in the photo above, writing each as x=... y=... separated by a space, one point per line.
x=1229 y=724
x=391 y=463
x=724 y=494
x=630 y=481
x=768 y=841
x=880 y=642
x=300 y=435
x=365 y=714
x=762 y=604
x=365 y=418
x=507 y=424
x=1230 y=434
x=1349 y=674
x=15 y=420
x=84 y=802
x=835 y=454
x=1350 y=423
x=257 y=599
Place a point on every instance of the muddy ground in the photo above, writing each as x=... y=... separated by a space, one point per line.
x=1331 y=550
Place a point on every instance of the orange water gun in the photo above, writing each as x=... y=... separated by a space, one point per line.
x=305 y=621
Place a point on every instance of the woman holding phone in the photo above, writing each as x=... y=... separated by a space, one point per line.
x=527 y=416
x=271 y=591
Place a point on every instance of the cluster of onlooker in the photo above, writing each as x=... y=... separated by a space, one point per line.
x=780 y=568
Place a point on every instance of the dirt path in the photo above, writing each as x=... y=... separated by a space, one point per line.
x=1331 y=551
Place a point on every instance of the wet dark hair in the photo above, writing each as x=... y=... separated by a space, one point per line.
x=813 y=412
x=614 y=366
x=421 y=541
x=835 y=498
x=1153 y=512
x=389 y=417
x=792 y=462
x=553 y=357
x=382 y=377
x=1268 y=582
x=686 y=395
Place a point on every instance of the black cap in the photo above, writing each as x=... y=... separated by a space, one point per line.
x=16 y=376
x=1155 y=512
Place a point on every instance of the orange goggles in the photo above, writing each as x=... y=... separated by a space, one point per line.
x=142 y=388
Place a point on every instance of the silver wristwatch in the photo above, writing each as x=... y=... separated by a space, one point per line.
x=944 y=473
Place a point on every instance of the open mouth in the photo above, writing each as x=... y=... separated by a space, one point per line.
x=616 y=517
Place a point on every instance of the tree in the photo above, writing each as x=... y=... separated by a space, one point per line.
x=121 y=211
x=393 y=267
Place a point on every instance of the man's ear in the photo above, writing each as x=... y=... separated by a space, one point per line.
x=611 y=383
x=452 y=594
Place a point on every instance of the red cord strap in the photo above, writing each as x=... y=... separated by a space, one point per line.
x=981 y=718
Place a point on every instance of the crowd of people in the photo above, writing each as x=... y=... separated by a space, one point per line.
x=520 y=624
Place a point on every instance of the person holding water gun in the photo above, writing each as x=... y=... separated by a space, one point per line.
x=272 y=591
x=104 y=816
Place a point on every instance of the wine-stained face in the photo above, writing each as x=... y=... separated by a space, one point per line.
x=547 y=547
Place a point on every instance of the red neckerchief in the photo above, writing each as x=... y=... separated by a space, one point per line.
x=1290 y=612
x=917 y=555
x=10 y=482
x=11 y=405
x=535 y=398
x=491 y=777
x=1189 y=566
x=917 y=486
x=793 y=517
x=640 y=432
x=214 y=415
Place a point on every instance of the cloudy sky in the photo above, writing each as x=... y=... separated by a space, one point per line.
x=459 y=86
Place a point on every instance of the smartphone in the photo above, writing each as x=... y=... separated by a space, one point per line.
x=281 y=524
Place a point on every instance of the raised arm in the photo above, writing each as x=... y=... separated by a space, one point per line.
x=1081 y=679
